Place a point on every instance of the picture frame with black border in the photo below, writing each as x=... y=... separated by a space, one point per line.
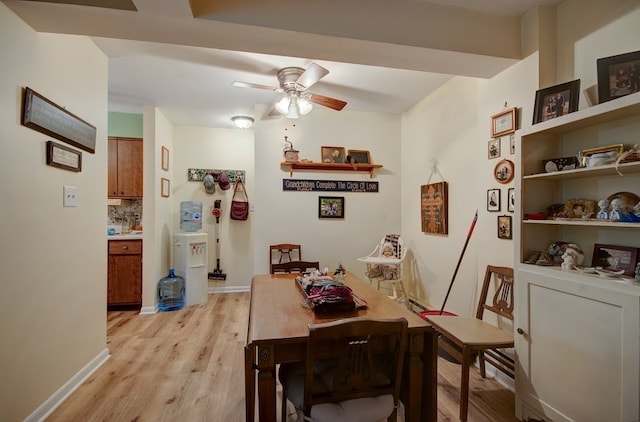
x=615 y=258
x=63 y=157
x=493 y=200
x=505 y=227
x=556 y=101
x=618 y=76
x=359 y=156
x=331 y=207
x=504 y=123
x=511 y=199
x=493 y=148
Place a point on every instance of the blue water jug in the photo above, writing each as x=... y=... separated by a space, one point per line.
x=171 y=292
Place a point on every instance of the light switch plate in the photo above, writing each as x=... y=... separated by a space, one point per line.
x=70 y=196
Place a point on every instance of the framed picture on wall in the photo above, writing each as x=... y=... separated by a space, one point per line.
x=504 y=227
x=165 y=187
x=503 y=123
x=493 y=200
x=331 y=207
x=511 y=200
x=493 y=149
x=434 y=208
x=165 y=159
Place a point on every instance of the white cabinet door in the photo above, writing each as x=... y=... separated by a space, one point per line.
x=578 y=348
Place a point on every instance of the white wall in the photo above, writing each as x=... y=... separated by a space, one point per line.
x=54 y=259
x=209 y=148
x=292 y=217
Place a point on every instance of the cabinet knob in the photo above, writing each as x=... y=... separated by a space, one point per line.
x=124 y=248
x=520 y=331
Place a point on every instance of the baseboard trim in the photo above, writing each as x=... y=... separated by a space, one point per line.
x=228 y=289
x=56 y=399
x=148 y=310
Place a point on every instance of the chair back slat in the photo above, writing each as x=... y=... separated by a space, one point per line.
x=503 y=301
x=284 y=252
x=295 y=267
x=365 y=356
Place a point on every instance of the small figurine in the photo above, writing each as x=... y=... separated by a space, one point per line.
x=603 y=213
x=616 y=214
x=571 y=257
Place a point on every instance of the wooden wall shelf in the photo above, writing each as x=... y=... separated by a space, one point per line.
x=330 y=167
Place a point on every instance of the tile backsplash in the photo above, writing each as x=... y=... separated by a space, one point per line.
x=117 y=214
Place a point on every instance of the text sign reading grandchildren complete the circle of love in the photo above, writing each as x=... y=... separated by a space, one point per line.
x=304 y=185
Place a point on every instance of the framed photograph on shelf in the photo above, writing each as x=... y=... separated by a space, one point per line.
x=600 y=156
x=493 y=200
x=615 y=258
x=359 y=156
x=618 y=76
x=332 y=154
x=331 y=207
x=503 y=123
x=63 y=157
x=556 y=101
x=165 y=159
x=503 y=171
x=165 y=187
x=504 y=227
x=511 y=200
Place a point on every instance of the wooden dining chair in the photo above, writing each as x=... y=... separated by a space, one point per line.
x=464 y=338
x=284 y=252
x=353 y=371
x=295 y=267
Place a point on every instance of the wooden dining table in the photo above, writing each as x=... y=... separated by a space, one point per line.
x=278 y=331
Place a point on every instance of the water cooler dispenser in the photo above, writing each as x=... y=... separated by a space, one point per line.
x=190 y=262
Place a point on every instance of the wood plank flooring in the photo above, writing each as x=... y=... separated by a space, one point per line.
x=187 y=365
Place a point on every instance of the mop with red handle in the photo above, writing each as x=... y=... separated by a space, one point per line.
x=217 y=273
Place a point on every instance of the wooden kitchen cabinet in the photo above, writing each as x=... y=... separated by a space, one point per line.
x=125 y=273
x=124 y=168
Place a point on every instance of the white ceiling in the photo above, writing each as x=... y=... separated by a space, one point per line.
x=382 y=58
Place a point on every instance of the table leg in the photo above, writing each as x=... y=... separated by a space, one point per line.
x=415 y=378
x=266 y=383
x=249 y=383
x=430 y=386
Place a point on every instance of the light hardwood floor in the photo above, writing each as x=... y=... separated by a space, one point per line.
x=187 y=365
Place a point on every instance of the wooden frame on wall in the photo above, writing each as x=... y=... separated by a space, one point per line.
x=504 y=122
x=165 y=187
x=63 y=157
x=434 y=208
x=505 y=230
x=493 y=200
x=164 y=164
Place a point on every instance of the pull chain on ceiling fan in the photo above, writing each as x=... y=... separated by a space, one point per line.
x=294 y=81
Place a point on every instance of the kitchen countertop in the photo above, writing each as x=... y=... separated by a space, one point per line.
x=126 y=236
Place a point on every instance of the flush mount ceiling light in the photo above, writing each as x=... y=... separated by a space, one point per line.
x=243 y=122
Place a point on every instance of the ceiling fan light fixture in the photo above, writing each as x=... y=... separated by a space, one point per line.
x=283 y=104
x=293 y=110
x=304 y=106
x=242 y=122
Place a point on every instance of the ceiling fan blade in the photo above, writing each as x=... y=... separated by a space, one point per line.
x=313 y=74
x=250 y=85
x=326 y=101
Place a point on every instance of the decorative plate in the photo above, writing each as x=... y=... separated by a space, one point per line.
x=628 y=199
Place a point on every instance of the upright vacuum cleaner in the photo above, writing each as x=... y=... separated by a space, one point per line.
x=217 y=273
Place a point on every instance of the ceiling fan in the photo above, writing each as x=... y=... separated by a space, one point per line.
x=294 y=82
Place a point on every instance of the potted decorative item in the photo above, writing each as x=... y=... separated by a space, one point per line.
x=290 y=154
